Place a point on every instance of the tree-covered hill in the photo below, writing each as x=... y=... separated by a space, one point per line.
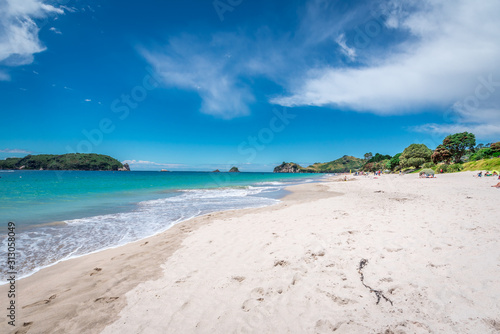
x=71 y=161
x=341 y=165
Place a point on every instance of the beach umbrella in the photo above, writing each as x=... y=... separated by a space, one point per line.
x=427 y=171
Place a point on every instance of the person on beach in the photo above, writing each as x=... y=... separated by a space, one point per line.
x=480 y=174
x=497 y=185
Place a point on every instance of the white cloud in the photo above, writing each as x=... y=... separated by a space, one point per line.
x=482 y=131
x=425 y=55
x=55 y=30
x=87 y=100
x=484 y=123
x=15 y=150
x=19 y=32
x=69 y=9
x=451 y=44
x=346 y=50
x=4 y=76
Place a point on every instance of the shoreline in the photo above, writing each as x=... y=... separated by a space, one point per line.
x=431 y=246
x=278 y=196
x=38 y=296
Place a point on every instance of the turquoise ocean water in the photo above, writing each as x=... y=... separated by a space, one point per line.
x=64 y=214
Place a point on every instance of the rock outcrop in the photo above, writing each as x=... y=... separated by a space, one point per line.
x=289 y=167
x=125 y=168
x=216 y=171
x=234 y=170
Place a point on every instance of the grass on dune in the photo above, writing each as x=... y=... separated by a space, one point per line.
x=486 y=164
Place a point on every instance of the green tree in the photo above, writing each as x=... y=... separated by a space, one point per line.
x=483 y=153
x=368 y=156
x=369 y=167
x=440 y=154
x=394 y=162
x=495 y=147
x=415 y=155
x=379 y=157
x=459 y=143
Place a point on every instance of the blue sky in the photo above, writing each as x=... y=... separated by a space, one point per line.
x=200 y=85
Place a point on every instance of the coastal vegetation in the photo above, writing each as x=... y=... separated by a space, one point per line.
x=456 y=153
x=341 y=165
x=415 y=155
x=70 y=161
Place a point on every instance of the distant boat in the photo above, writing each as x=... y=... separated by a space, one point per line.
x=164 y=170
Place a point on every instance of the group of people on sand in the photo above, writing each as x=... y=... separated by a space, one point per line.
x=367 y=173
x=495 y=173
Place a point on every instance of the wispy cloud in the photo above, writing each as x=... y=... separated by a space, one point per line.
x=142 y=164
x=485 y=123
x=189 y=64
x=87 y=100
x=19 y=41
x=346 y=50
x=15 y=150
x=55 y=30
x=69 y=9
x=3 y=75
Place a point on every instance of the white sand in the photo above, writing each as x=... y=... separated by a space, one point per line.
x=432 y=245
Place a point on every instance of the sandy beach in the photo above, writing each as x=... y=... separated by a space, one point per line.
x=428 y=248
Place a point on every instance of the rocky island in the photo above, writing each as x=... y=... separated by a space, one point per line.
x=234 y=170
x=70 y=161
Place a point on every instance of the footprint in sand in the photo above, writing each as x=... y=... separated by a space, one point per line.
x=392 y=250
x=249 y=304
x=238 y=278
x=41 y=302
x=339 y=300
x=25 y=328
x=106 y=300
x=257 y=296
x=281 y=263
x=96 y=270
x=493 y=323
x=325 y=326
